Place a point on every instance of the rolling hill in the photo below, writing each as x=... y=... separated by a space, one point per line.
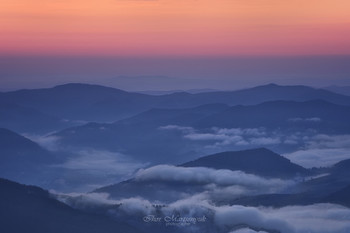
x=144 y=136
x=32 y=209
x=262 y=162
x=23 y=160
x=86 y=102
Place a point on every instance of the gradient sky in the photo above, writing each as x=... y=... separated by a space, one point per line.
x=181 y=29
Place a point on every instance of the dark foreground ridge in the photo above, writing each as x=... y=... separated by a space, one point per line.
x=31 y=209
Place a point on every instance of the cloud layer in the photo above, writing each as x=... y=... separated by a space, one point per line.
x=321 y=150
x=317 y=218
x=96 y=161
x=218 y=137
x=203 y=175
x=308 y=148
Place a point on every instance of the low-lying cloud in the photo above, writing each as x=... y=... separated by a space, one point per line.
x=84 y=200
x=318 y=157
x=311 y=119
x=310 y=149
x=247 y=230
x=220 y=218
x=95 y=161
x=89 y=169
x=49 y=142
x=321 y=150
x=317 y=218
x=226 y=137
x=203 y=175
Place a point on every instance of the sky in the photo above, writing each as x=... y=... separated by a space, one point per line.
x=238 y=42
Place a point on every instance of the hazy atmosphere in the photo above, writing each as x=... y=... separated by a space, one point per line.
x=174 y=73
x=160 y=116
x=182 y=44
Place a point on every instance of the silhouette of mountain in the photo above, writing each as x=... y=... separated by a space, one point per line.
x=341 y=197
x=291 y=115
x=32 y=209
x=142 y=136
x=80 y=101
x=341 y=168
x=272 y=92
x=343 y=90
x=29 y=120
x=23 y=160
x=332 y=187
x=260 y=161
x=14 y=146
x=97 y=103
x=162 y=117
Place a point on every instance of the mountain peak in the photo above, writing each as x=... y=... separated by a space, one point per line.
x=341 y=167
x=81 y=86
x=259 y=161
x=272 y=85
x=10 y=139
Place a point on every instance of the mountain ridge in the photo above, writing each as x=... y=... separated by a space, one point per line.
x=78 y=101
x=259 y=161
x=32 y=209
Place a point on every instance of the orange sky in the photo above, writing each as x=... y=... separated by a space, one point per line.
x=169 y=27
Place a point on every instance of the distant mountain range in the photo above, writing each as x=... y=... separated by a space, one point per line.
x=191 y=91
x=82 y=102
x=141 y=136
x=345 y=90
x=319 y=114
x=155 y=144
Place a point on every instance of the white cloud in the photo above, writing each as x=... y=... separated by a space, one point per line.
x=329 y=141
x=311 y=119
x=265 y=141
x=240 y=131
x=84 y=200
x=247 y=230
x=136 y=206
x=318 y=157
x=321 y=150
x=209 y=136
x=231 y=216
x=226 y=137
x=106 y=162
x=49 y=142
x=177 y=127
x=317 y=218
x=202 y=175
